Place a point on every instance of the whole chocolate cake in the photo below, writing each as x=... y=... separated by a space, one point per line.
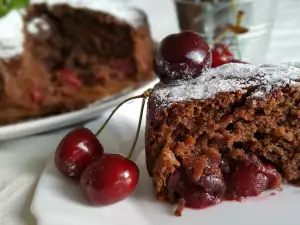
x=73 y=55
x=230 y=133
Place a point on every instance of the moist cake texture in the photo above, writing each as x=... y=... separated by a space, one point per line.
x=73 y=56
x=216 y=135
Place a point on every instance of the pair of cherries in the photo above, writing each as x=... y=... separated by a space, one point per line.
x=109 y=178
x=104 y=178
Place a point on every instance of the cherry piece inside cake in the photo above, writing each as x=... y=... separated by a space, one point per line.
x=231 y=133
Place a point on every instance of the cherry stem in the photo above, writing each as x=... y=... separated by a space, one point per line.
x=240 y=18
x=144 y=95
x=113 y=112
x=138 y=129
x=220 y=37
x=235 y=11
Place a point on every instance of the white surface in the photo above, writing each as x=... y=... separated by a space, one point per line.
x=285 y=44
x=11 y=36
x=22 y=160
x=56 y=194
x=116 y=138
x=54 y=122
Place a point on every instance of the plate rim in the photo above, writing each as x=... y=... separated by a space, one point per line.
x=52 y=122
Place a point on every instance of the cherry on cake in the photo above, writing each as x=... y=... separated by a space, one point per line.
x=222 y=134
x=71 y=55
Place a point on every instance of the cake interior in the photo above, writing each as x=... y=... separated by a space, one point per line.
x=94 y=46
x=228 y=147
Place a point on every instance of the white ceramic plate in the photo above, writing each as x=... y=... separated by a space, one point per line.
x=59 y=201
x=44 y=124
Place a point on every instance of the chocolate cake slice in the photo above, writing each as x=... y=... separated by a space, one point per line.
x=231 y=133
x=74 y=54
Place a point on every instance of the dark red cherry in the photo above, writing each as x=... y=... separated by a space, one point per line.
x=182 y=56
x=109 y=180
x=213 y=184
x=208 y=191
x=251 y=177
x=247 y=182
x=78 y=149
x=174 y=180
x=195 y=197
x=221 y=55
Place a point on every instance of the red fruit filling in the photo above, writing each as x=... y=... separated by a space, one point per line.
x=208 y=191
x=238 y=179
x=250 y=177
x=69 y=77
x=37 y=96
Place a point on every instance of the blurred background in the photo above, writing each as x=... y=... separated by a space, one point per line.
x=273 y=24
x=212 y=17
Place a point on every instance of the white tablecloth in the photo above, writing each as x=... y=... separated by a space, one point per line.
x=22 y=160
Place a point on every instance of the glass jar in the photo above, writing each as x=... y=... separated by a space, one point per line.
x=212 y=16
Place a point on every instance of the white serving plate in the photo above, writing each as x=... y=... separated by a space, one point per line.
x=44 y=124
x=59 y=201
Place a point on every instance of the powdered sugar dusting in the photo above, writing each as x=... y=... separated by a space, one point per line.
x=11 y=36
x=35 y=25
x=229 y=78
x=121 y=9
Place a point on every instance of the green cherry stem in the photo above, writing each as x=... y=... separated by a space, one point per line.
x=144 y=95
x=138 y=129
x=114 y=111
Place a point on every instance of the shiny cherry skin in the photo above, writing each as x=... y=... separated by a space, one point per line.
x=182 y=56
x=221 y=55
x=109 y=180
x=78 y=149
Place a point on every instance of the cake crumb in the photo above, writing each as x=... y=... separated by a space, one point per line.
x=180 y=207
